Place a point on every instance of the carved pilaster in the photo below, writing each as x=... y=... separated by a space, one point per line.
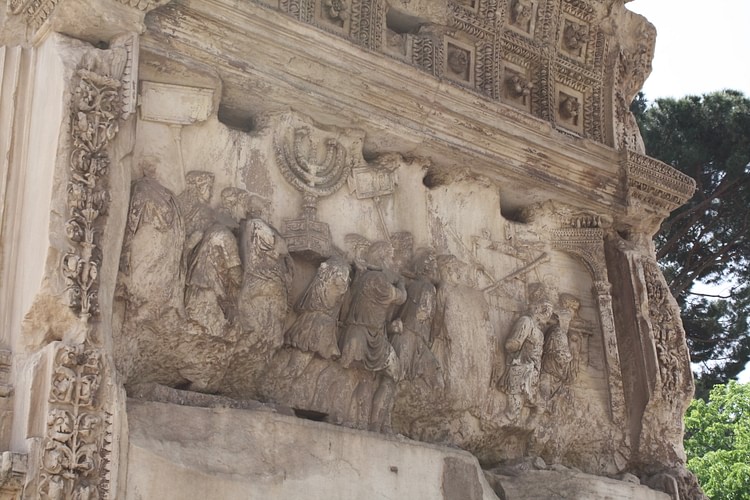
x=95 y=113
x=74 y=454
x=666 y=334
x=75 y=451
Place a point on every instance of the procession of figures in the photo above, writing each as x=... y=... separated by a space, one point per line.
x=208 y=305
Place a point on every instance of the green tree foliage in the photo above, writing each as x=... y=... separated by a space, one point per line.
x=717 y=441
x=708 y=239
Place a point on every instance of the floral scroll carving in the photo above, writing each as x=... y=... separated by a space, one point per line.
x=75 y=453
x=94 y=123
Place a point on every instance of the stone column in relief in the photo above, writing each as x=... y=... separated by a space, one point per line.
x=614 y=373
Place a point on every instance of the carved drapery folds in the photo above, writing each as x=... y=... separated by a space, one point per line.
x=481 y=332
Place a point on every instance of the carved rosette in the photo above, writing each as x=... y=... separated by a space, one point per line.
x=75 y=458
x=95 y=112
x=654 y=186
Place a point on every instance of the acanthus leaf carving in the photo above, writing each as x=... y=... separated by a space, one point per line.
x=96 y=110
x=74 y=454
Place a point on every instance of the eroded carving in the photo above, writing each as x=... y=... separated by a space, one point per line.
x=74 y=456
x=412 y=342
x=654 y=186
x=524 y=350
x=569 y=109
x=264 y=294
x=299 y=163
x=518 y=89
x=574 y=38
x=95 y=114
x=316 y=327
x=521 y=14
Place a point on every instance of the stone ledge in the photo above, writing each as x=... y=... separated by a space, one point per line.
x=177 y=452
x=570 y=484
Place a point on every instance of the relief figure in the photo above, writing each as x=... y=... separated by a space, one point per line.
x=264 y=295
x=412 y=344
x=214 y=274
x=524 y=349
x=194 y=201
x=376 y=289
x=152 y=251
x=558 y=353
x=316 y=328
x=463 y=335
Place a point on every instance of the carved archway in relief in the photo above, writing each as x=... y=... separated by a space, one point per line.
x=587 y=244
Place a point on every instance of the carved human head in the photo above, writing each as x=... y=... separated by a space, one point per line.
x=236 y=201
x=451 y=269
x=424 y=263
x=334 y=275
x=569 y=302
x=540 y=303
x=263 y=236
x=200 y=184
x=380 y=253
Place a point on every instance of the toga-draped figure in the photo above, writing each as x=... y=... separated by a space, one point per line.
x=316 y=328
x=374 y=293
x=524 y=349
x=152 y=250
x=416 y=314
x=214 y=272
x=264 y=295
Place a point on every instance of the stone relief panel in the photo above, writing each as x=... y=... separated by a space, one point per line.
x=407 y=315
x=279 y=265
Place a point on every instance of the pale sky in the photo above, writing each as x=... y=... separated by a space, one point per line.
x=701 y=46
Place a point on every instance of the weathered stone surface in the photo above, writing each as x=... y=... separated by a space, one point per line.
x=255 y=454
x=421 y=218
x=543 y=485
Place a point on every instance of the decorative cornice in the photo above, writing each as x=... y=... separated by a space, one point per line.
x=37 y=12
x=655 y=186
